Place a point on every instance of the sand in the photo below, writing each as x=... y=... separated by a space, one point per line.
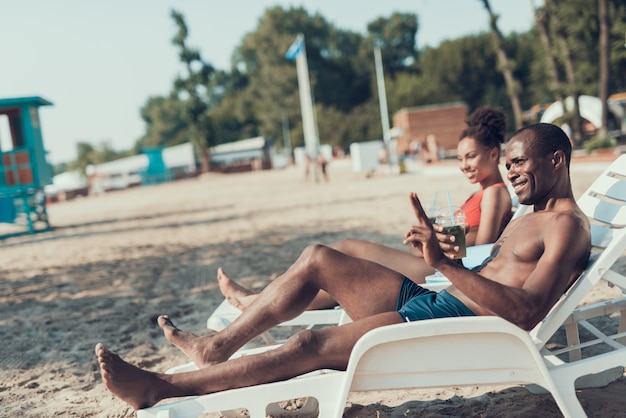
x=113 y=263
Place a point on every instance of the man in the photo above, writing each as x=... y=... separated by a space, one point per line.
x=537 y=257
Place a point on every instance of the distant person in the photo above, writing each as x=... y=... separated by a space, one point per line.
x=588 y=127
x=339 y=152
x=414 y=147
x=323 y=164
x=314 y=166
x=382 y=156
x=536 y=259
x=487 y=211
x=431 y=149
x=309 y=166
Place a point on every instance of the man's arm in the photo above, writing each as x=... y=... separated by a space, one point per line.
x=566 y=244
x=564 y=256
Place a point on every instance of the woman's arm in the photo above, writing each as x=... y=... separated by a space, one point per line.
x=495 y=207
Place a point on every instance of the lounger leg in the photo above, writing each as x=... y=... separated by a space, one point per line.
x=622 y=326
x=573 y=338
x=565 y=397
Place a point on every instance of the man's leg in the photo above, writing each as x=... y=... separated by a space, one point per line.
x=326 y=348
x=363 y=288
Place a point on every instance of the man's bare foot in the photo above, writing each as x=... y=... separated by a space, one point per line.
x=199 y=348
x=131 y=384
x=237 y=295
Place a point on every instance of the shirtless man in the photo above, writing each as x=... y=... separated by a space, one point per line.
x=534 y=261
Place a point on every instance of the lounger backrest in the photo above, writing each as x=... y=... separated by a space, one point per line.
x=604 y=203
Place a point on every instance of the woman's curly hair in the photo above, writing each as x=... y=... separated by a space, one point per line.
x=487 y=126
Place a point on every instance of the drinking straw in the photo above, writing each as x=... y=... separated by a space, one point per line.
x=432 y=208
x=450 y=204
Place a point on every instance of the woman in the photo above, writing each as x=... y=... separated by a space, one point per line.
x=487 y=211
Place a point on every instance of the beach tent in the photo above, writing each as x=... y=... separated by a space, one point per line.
x=590 y=109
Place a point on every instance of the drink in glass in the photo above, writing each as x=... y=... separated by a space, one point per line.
x=454 y=224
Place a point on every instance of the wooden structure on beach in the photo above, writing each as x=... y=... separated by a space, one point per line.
x=24 y=170
x=445 y=121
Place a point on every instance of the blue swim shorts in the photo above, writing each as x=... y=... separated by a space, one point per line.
x=416 y=303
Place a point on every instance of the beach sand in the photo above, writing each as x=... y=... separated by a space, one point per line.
x=113 y=263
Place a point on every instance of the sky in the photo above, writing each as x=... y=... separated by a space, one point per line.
x=99 y=61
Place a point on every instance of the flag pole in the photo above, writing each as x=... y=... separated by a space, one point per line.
x=382 y=100
x=286 y=138
x=297 y=50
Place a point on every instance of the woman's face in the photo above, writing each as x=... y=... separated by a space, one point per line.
x=475 y=161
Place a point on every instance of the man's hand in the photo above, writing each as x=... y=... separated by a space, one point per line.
x=446 y=242
x=422 y=236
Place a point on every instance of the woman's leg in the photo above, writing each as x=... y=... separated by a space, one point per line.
x=241 y=297
x=410 y=265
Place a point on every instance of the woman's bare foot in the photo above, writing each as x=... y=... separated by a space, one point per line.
x=199 y=348
x=135 y=386
x=237 y=295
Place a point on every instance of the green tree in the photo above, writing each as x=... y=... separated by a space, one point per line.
x=260 y=90
x=564 y=34
x=603 y=47
x=59 y=168
x=617 y=46
x=340 y=79
x=191 y=90
x=233 y=119
x=461 y=69
x=165 y=123
x=396 y=37
x=84 y=152
x=87 y=155
x=542 y=22
x=505 y=65
x=573 y=32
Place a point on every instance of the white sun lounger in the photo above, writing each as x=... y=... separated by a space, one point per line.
x=472 y=350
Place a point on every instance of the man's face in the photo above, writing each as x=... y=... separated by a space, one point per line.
x=531 y=175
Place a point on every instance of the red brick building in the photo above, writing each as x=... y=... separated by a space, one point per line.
x=445 y=121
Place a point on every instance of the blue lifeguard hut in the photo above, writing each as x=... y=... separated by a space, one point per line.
x=24 y=170
x=156 y=171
